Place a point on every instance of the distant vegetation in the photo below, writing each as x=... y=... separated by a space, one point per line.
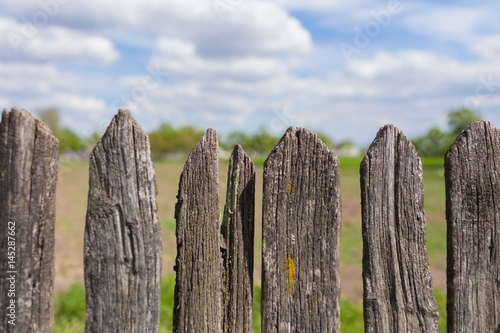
x=167 y=140
x=260 y=143
x=69 y=141
x=436 y=142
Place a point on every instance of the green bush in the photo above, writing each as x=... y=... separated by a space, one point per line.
x=351 y=317
x=167 y=304
x=256 y=318
x=441 y=302
x=69 y=310
x=167 y=139
x=436 y=142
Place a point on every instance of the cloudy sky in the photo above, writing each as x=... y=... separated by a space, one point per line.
x=341 y=67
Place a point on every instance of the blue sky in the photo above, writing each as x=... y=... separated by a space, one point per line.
x=342 y=68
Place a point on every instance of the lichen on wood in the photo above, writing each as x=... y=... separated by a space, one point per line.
x=300 y=236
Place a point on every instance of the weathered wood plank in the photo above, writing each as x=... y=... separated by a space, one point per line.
x=28 y=177
x=300 y=236
x=472 y=169
x=397 y=282
x=122 y=246
x=238 y=232
x=198 y=304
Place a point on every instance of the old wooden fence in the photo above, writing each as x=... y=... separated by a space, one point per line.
x=214 y=264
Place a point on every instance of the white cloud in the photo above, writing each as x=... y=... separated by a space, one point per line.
x=487 y=46
x=412 y=89
x=180 y=60
x=241 y=68
x=69 y=46
x=38 y=86
x=446 y=21
x=82 y=104
x=461 y=23
x=53 y=43
x=174 y=47
x=317 y=5
x=275 y=30
x=251 y=27
x=83 y=113
x=20 y=78
x=427 y=68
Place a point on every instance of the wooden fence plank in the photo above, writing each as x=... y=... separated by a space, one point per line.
x=28 y=177
x=397 y=282
x=122 y=247
x=198 y=305
x=300 y=236
x=472 y=169
x=238 y=232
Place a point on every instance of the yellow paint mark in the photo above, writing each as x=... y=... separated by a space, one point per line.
x=289 y=187
x=290 y=267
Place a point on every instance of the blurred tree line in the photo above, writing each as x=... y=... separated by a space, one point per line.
x=437 y=141
x=260 y=143
x=168 y=140
x=69 y=141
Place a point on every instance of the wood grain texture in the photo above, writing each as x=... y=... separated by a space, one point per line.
x=300 y=236
x=122 y=246
x=198 y=304
x=397 y=282
x=472 y=168
x=28 y=177
x=238 y=232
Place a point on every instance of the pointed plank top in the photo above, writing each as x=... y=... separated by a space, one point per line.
x=472 y=168
x=398 y=295
x=300 y=236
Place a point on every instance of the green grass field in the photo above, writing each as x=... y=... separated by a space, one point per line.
x=69 y=307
